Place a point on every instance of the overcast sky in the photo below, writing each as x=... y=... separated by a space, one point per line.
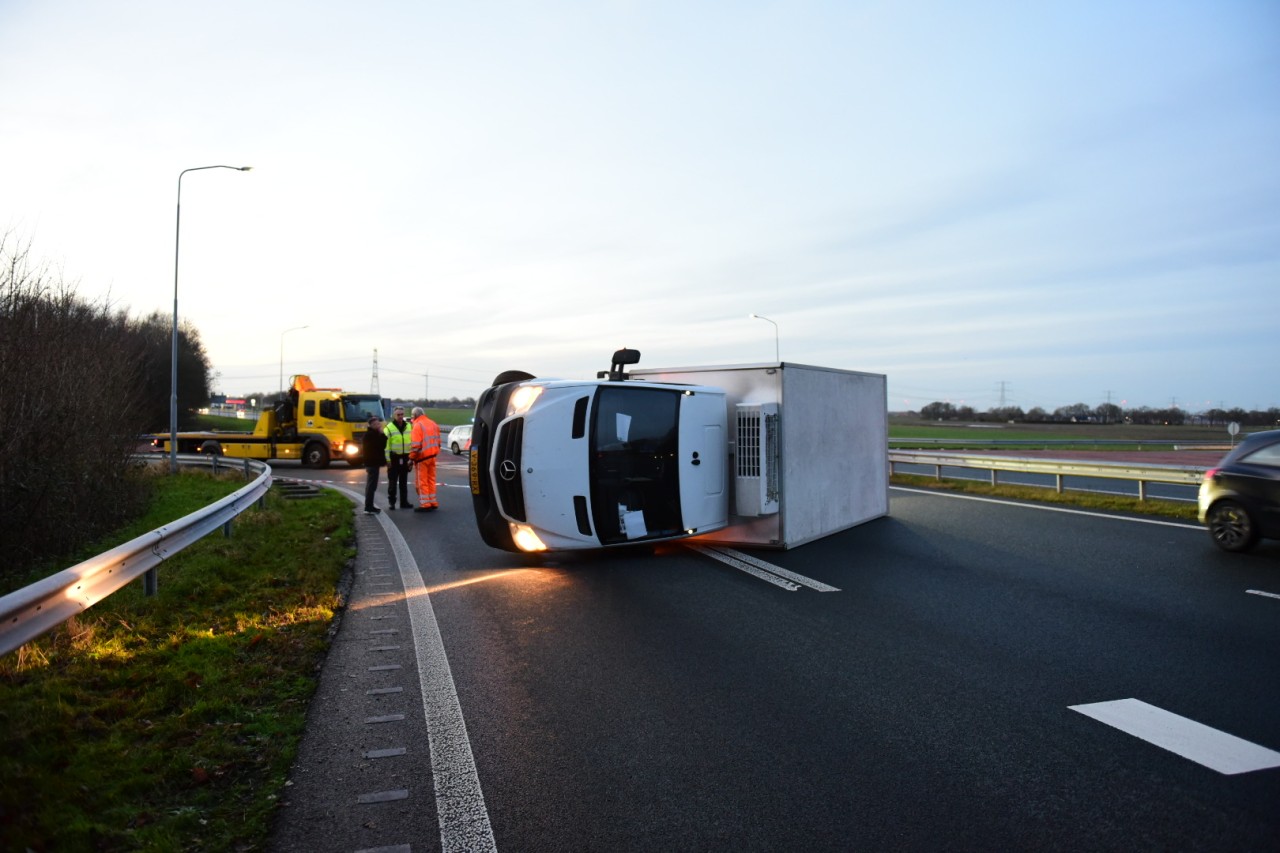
x=1032 y=203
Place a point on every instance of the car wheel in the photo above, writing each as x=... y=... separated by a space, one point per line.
x=454 y=448
x=1231 y=526
x=511 y=376
x=316 y=455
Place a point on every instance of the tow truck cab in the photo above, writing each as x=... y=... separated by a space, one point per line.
x=575 y=464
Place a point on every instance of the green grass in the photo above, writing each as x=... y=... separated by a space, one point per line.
x=170 y=723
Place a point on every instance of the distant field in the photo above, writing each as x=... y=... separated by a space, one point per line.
x=1118 y=433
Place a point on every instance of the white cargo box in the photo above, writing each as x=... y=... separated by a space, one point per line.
x=808 y=449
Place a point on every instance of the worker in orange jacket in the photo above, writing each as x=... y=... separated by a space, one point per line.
x=424 y=447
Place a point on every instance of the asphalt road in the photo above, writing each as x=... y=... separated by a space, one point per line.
x=945 y=695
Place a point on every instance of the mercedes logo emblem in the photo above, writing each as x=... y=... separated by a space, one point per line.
x=507 y=470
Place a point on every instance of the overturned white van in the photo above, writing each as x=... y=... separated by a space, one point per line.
x=772 y=455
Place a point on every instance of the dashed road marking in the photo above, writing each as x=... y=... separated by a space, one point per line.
x=386 y=753
x=761 y=569
x=742 y=566
x=772 y=569
x=1214 y=749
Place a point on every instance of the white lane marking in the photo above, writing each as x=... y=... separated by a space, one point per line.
x=772 y=569
x=746 y=567
x=943 y=494
x=1216 y=750
x=1260 y=592
x=464 y=818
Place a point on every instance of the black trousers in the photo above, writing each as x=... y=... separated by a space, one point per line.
x=370 y=485
x=398 y=479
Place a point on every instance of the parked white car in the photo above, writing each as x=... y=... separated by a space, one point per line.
x=460 y=439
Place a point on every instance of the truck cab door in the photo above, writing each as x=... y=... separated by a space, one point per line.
x=703 y=451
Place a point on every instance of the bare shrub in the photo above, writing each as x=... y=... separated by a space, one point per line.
x=77 y=386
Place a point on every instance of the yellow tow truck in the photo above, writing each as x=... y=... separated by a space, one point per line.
x=314 y=425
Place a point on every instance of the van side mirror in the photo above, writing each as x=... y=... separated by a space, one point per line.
x=621 y=359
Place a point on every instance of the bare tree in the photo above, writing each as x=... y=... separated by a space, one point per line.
x=73 y=399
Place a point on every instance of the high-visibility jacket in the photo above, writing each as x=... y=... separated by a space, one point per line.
x=425 y=442
x=398 y=440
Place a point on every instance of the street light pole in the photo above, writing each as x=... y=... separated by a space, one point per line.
x=282 y=334
x=173 y=362
x=776 y=356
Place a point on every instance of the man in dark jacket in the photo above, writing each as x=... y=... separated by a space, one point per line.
x=374 y=450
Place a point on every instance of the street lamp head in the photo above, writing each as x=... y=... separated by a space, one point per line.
x=245 y=168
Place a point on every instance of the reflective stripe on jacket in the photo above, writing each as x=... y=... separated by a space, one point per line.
x=397 y=439
x=426 y=438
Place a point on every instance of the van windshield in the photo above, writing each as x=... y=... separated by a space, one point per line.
x=635 y=480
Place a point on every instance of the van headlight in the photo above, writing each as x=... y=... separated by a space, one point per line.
x=522 y=399
x=526 y=539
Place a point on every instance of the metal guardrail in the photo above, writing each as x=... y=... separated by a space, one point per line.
x=30 y=612
x=1183 y=475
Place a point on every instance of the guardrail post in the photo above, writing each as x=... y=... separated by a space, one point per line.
x=1057 y=481
x=937 y=472
x=246 y=469
x=226 y=529
x=150 y=582
x=994 y=477
x=214 y=457
x=1142 y=490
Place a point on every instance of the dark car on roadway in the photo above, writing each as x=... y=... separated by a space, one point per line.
x=1240 y=497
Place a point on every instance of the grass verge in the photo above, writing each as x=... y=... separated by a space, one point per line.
x=1081 y=500
x=170 y=723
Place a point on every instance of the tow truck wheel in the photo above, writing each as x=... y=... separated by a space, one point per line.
x=212 y=448
x=512 y=376
x=315 y=455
